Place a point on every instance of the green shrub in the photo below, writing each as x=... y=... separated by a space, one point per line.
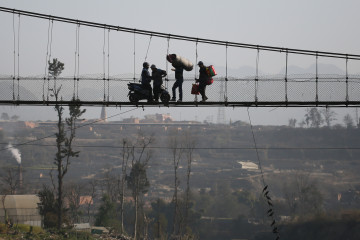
x=2 y=228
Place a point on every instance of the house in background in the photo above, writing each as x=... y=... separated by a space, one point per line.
x=20 y=209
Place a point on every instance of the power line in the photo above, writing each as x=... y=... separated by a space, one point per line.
x=200 y=148
x=80 y=126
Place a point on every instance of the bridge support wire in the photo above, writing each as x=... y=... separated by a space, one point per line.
x=167 y=64
x=196 y=64
x=347 y=81
x=226 y=75
x=265 y=191
x=18 y=62
x=77 y=61
x=317 y=80
x=14 y=74
x=257 y=75
x=286 y=77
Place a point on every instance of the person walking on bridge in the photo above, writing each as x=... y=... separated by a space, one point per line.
x=202 y=80
x=179 y=79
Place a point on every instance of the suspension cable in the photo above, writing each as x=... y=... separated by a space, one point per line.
x=104 y=43
x=347 y=80
x=134 y=52
x=226 y=75
x=286 y=77
x=257 y=75
x=46 y=59
x=147 y=51
x=49 y=59
x=196 y=64
x=78 y=62
x=317 y=81
x=18 y=62
x=184 y=38
x=108 y=73
x=14 y=74
x=167 y=64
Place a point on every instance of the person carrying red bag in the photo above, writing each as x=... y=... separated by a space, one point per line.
x=202 y=80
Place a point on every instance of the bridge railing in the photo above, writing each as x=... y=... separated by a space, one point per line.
x=272 y=89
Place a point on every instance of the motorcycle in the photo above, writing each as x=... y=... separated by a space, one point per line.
x=137 y=93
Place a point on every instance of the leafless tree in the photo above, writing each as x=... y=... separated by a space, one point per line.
x=190 y=144
x=126 y=154
x=348 y=121
x=73 y=193
x=137 y=179
x=176 y=151
x=10 y=180
x=329 y=115
x=90 y=189
x=313 y=117
x=109 y=183
x=303 y=195
x=292 y=122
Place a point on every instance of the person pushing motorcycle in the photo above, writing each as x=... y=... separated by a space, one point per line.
x=157 y=75
x=146 y=80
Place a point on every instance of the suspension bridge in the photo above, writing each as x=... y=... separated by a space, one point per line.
x=258 y=90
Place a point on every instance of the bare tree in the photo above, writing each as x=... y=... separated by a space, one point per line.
x=90 y=189
x=303 y=196
x=313 y=117
x=73 y=193
x=292 y=122
x=176 y=151
x=10 y=180
x=137 y=180
x=127 y=153
x=348 y=120
x=190 y=144
x=329 y=116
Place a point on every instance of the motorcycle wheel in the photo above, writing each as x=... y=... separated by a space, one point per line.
x=165 y=98
x=133 y=98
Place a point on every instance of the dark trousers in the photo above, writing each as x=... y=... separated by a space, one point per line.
x=178 y=83
x=157 y=91
x=202 y=88
x=149 y=88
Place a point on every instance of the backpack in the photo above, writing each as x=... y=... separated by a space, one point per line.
x=210 y=70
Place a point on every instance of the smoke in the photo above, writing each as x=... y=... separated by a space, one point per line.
x=15 y=152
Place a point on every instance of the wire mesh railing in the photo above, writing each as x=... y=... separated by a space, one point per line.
x=297 y=89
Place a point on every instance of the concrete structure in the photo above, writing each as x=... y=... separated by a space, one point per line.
x=20 y=209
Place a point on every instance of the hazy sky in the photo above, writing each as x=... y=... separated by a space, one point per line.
x=322 y=25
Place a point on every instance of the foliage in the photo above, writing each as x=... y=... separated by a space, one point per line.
x=47 y=207
x=55 y=67
x=137 y=180
x=106 y=215
x=64 y=141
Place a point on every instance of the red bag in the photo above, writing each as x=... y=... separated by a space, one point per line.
x=209 y=81
x=195 y=89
